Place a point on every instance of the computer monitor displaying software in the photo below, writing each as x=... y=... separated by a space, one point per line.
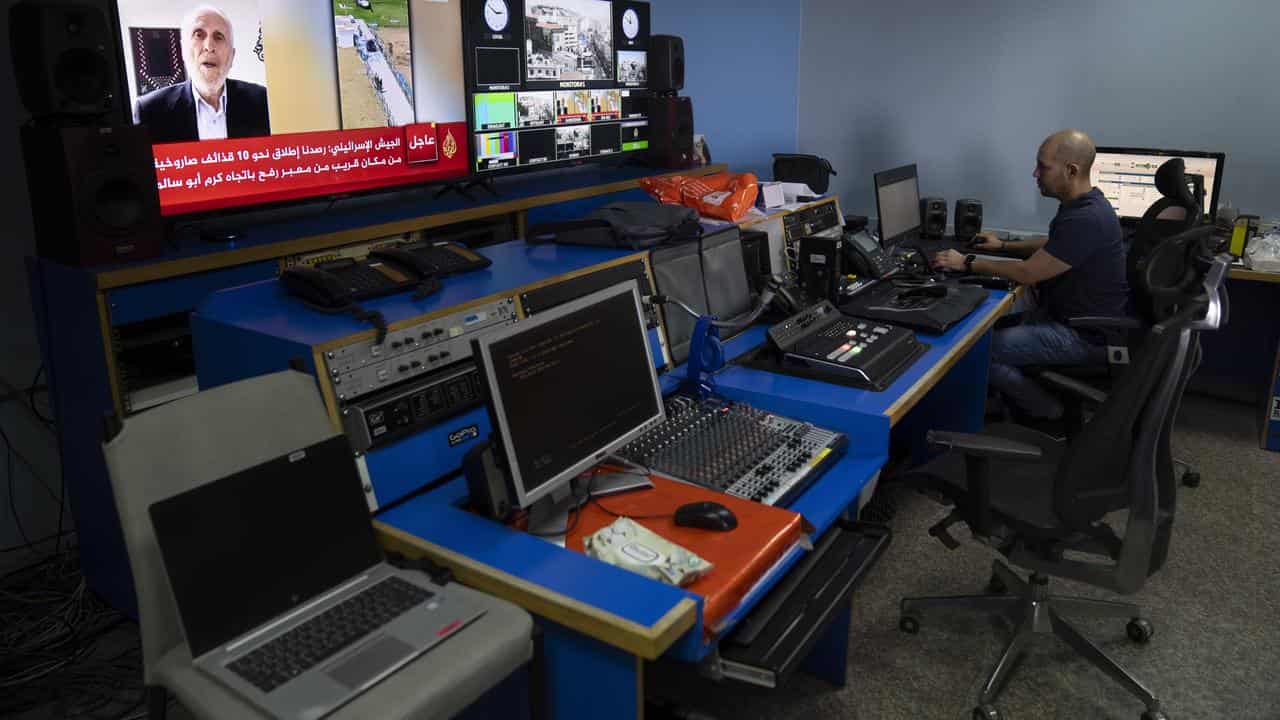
x=897 y=204
x=1127 y=177
x=568 y=387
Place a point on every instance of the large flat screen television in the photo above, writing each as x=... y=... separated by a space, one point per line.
x=262 y=101
x=554 y=82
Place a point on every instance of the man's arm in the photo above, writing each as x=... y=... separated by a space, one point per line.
x=1024 y=247
x=1037 y=268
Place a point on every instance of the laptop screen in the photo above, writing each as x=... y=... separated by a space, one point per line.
x=898 y=203
x=248 y=547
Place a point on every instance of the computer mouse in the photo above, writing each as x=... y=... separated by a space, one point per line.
x=707 y=516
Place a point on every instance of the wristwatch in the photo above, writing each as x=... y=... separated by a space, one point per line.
x=968 y=262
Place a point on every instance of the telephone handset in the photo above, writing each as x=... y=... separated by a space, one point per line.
x=865 y=256
x=317 y=287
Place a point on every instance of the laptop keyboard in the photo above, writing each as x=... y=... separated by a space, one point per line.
x=321 y=637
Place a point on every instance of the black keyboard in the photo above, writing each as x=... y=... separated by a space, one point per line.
x=449 y=258
x=324 y=635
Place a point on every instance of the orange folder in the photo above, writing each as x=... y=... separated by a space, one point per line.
x=741 y=556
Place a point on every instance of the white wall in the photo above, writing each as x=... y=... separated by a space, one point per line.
x=968 y=90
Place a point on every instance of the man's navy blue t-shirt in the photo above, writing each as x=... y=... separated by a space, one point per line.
x=1086 y=235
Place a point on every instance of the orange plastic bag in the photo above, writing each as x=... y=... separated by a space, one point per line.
x=724 y=196
x=665 y=188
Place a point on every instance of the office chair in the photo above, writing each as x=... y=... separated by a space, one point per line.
x=1176 y=212
x=189 y=442
x=1035 y=499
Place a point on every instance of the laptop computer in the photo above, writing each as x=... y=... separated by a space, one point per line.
x=282 y=590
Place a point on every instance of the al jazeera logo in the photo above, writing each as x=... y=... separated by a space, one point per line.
x=450 y=146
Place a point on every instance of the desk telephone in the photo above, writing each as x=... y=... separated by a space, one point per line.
x=339 y=284
x=865 y=256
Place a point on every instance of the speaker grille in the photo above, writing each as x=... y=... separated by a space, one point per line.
x=118 y=205
x=81 y=75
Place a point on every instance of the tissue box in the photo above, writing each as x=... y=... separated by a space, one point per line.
x=771 y=195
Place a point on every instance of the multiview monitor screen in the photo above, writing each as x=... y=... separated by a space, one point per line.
x=252 y=101
x=555 y=81
x=1127 y=176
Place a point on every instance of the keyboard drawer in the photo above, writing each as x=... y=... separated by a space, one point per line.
x=770 y=642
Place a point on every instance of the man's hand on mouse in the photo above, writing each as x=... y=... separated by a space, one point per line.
x=986 y=241
x=948 y=260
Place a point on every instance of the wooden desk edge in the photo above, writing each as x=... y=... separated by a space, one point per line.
x=908 y=400
x=217 y=260
x=646 y=642
x=1240 y=273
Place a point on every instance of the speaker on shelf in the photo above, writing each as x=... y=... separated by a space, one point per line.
x=968 y=219
x=666 y=63
x=93 y=193
x=66 y=59
x=933 y=217
x=670 y=132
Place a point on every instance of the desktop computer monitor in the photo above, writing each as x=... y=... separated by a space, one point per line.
x=1127 y=177
x=897 y=204
x=567 y=388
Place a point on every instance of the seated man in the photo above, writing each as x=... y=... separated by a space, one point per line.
x=1078 y=270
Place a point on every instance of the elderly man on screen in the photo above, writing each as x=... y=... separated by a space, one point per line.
x=208 y=105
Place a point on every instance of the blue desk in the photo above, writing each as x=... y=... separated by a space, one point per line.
x=600 y=622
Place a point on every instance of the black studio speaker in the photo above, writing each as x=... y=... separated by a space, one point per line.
x=93 y=193
x=666 y=63
x=933 y=217
x=755 y=257
x=968 y=219
x=66 y=59
x=670 y=132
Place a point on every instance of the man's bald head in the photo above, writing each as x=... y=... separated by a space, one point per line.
x=1073 y=146
x=1064 y=164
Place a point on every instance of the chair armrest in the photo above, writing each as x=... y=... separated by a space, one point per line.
x=983 y=446
x=1084 y=391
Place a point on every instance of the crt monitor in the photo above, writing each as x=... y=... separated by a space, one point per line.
x=555 y=82
x=252 y=102
x=1127 y=177
x=897 y=204
x=568 y=387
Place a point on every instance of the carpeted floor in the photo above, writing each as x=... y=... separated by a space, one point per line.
x=1215 y=654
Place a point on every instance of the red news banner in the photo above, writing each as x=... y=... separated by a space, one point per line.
x=213 y=174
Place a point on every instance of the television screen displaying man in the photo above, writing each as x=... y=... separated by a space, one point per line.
x=208 y=105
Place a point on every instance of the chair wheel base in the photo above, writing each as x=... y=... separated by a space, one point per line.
x=1140 y=630
x=909 y=625
x=986 y=712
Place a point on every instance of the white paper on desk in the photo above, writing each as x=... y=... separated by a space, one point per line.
x=791 y=191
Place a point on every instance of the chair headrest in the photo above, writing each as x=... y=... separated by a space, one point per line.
x=1171 y=181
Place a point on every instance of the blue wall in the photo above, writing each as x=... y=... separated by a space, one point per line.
x=741 y=58
x=968 y=90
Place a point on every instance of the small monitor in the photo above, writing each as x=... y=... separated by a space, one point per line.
x=568 y=387
x=1127 y=176
x=897 y=204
